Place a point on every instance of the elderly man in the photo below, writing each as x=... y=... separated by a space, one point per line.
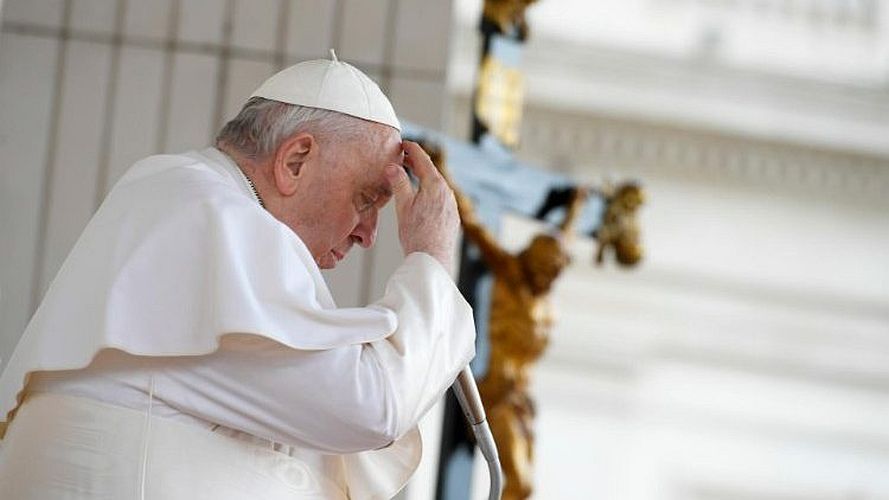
x=189 y=347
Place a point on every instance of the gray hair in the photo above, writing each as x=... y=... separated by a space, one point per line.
x=262 y=125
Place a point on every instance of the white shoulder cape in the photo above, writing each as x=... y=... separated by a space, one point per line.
x=227 y=266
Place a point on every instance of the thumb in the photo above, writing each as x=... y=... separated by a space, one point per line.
x=401 y=186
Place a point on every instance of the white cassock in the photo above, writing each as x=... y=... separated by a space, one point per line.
x=189 y=348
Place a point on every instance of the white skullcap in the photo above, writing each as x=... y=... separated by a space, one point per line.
x=332 y=85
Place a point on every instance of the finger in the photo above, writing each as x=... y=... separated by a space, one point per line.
x=402 y=190
x=419 y=162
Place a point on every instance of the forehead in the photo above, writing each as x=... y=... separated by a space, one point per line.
x=383 y=148
x=389 y=141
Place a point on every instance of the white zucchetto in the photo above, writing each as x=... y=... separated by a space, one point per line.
x=332 y=85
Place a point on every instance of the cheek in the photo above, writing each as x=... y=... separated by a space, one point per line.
x=344 y=221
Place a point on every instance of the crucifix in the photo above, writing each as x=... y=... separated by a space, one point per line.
x=509 y=292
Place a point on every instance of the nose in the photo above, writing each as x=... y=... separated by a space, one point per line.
x=365 y=233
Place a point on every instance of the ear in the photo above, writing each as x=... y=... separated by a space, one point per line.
x=290 y=158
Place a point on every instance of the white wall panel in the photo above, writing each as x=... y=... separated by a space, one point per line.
x=26 y=95
x=255 y=24
x=363 y=36
x=201 y=21
x=419 y=101
x=95 y=16
x=422 y=33
x=387 y=254
x=46 y=13
x=77 y=150
x=309 y=28
x=136 y=109
x=145 y=19
x=193 y=95
x=244 y=77
x=373 y=75
x=346 y=280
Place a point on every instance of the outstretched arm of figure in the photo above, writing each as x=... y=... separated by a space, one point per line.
x=575 y=207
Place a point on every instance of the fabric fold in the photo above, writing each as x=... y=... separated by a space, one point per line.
x=180 y=255
x=197 y=224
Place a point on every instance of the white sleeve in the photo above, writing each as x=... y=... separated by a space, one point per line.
x=339 y=400
x=434 y=341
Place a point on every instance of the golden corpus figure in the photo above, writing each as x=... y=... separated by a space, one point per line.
x=521 y=319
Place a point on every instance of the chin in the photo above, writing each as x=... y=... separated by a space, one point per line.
x=330 y=259
x=325 y=262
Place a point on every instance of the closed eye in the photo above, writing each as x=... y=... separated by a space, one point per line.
x=376 y=196
x=367 y=202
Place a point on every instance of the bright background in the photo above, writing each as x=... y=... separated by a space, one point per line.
x=746 y=358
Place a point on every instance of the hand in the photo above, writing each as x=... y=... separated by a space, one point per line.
x=427 y=216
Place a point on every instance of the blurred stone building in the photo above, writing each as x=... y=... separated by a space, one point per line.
x=748 y=356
